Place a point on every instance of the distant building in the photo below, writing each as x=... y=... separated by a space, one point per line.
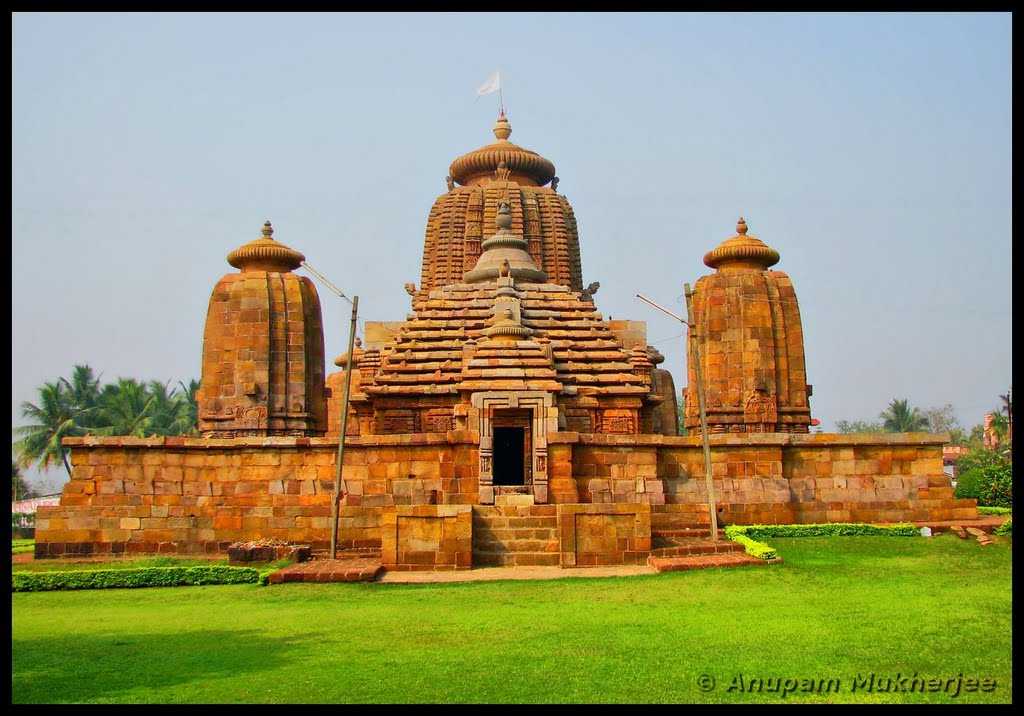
x=950 y=454
x=29 y=506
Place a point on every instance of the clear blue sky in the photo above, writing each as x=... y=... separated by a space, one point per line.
x=873 y=151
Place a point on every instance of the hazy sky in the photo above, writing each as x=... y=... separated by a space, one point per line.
x=872 y=151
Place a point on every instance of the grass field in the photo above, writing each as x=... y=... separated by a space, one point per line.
x=838 y=608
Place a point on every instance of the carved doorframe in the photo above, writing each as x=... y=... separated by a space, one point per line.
x=544 y=417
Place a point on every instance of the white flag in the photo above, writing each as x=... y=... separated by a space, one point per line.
x=493 y=84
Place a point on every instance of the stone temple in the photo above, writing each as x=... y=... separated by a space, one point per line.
x=504 y=421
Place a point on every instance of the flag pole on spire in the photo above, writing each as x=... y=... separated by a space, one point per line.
x=493 y=84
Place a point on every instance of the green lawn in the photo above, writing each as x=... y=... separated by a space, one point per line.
x=22 y=546
x=838 y=608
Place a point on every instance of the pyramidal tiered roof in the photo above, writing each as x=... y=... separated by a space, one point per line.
x=443 y=348
x=506 y=328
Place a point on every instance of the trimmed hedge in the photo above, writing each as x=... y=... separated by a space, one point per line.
x=1005 y=529
x=132 y=578
x=752 y=547
x=748 y=535
x=982 y=510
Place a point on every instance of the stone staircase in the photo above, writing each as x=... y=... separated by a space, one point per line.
x=515 y=536
x=690 y=542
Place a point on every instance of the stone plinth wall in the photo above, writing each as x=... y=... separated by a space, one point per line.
x=190 y=495
x=427 y=537
x=774 y=477
x=195 y=495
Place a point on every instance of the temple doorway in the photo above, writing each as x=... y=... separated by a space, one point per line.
x=509 y=466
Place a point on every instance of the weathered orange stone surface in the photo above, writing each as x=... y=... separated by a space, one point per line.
x=263 y=348
x=505 y=421
x=752 y=344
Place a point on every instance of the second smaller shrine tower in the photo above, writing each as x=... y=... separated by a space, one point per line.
x=752 y=343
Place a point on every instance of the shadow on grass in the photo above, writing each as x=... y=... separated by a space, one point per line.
x=99 y=667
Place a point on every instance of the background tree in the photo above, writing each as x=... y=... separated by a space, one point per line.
x=84 y=393
x=899 y=417
x=127 y=407
x=20 y=489
x=858 y=426
x=53 y=419
x=681 y=414
x=188 y=417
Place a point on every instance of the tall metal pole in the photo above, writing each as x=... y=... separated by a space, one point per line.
x=708 y=481
x=342 y=428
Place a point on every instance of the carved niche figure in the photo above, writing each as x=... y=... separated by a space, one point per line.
x=554 y=184
x=410 y=288
x=451 y=182
x=760 y=414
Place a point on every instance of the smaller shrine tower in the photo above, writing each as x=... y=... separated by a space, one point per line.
x=752 y=343
x=263 y=347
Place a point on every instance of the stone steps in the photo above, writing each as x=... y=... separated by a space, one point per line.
x=515 y=535
x=516 y=545
x=695 y=547
x=704 y=561
x=697 y=532
x=329 y=570
x=515 y=559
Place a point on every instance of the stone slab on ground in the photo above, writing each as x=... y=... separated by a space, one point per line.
x=704 y=561
x=329 y=570
x=986 y=523
x=486 y=574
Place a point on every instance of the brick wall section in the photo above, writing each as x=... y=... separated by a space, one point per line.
x=604 y=534
x=427 y=537
x=773 y=478
x=197 y=495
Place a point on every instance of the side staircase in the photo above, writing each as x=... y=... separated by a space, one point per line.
x=515 y=535
x=679 y=543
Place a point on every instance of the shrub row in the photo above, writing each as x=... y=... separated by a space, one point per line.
x=1005 y=529
x=987 y=476
x=750 y=546
x=132 y=578
x=748 y=535
x=982 y=510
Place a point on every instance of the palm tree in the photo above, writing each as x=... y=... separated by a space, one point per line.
x=54 y=418
x=84 y=386
x=188 y=416
x=901 y=418
x=165 y=410
x=126 y=408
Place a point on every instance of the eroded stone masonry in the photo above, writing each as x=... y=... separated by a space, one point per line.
x=504 y=421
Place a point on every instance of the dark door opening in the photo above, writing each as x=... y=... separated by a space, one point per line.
x=508 y=456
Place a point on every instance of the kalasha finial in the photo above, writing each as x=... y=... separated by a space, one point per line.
x=741 y=227
x=502 y=128
x=504 y=217
x=268 y=230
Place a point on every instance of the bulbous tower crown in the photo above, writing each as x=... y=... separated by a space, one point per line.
x=265 y=254
x=525 y=166
x=478 y=182
x=742 y=251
